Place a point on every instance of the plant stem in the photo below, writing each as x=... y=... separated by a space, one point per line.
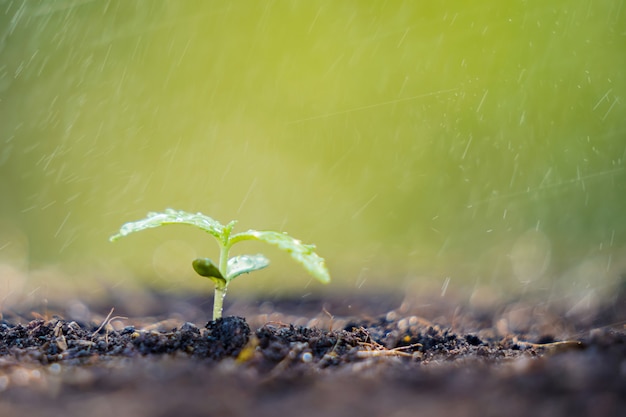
x=223 y=263
x=218 y=301
x=220 y=290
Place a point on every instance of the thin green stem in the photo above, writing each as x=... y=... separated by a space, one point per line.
x=218 y=301
x=223 y=262
x=220 y=289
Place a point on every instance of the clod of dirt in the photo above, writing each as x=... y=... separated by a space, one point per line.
x=227 y=336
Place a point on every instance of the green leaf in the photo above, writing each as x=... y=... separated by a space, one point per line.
x=243 y=264
x=299 y=251
x=171 y=216
x=206 y=268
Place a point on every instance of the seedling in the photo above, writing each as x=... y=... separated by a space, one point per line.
x=228 y=269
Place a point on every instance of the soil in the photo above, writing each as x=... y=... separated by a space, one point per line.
x=362 y=356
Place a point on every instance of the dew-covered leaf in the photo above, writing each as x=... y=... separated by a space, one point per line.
x=245 y=263
x=302 y=253
x=171 y=216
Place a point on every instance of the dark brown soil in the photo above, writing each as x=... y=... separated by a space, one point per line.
x=367 y=356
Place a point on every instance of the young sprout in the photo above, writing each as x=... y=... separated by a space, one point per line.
x=227 y=268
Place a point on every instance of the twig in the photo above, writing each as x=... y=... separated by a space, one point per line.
x=104 y=323
x=107 y=321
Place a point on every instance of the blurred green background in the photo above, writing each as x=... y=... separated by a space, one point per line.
x=454 y=144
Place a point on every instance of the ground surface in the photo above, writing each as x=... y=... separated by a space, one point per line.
x=366 y=356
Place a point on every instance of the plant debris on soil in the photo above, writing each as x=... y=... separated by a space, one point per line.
x=514 y=359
